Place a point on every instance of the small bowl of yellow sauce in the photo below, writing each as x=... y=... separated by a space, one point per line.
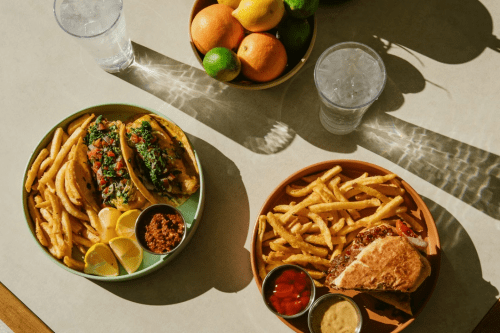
x=335 y=313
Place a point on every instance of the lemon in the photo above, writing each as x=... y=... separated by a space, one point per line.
x=259 y=15
x=128 y=252
x=125 y=226
x=231 y=3
x=99 y=260
x=222 y=64
x=301 y=8
x=108 y=217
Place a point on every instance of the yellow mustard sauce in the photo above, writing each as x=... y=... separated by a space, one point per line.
x=339 y=317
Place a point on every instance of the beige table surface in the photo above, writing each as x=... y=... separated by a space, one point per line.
x=436 y=125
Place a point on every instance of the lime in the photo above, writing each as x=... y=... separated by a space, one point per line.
x=222 y=64
x=301 y=8
x=294 y=33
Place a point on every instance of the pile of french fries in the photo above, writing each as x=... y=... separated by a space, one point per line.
x=62 y=217
x=324 y=216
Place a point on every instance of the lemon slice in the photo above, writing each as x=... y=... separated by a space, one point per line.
x=128 y=252
x=125 y=226
x=99 y=260
x=108 y=217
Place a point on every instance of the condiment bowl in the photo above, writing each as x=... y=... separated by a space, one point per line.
x=319 y=307
x=144 y=219
x=269 y=283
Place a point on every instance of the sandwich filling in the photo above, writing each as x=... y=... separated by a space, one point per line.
x=379 y=260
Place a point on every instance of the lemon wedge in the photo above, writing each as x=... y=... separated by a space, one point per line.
x=125 y=226
x=99 y=260
x=108 y=217
x=128 y=252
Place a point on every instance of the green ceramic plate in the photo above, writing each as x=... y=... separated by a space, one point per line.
x=192 y=209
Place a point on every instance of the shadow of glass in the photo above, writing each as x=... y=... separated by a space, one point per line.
x=462 y=296
x=215 y=256
x=448 y=31
x=250 y=118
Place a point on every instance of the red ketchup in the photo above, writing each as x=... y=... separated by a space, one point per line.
x=291 y=293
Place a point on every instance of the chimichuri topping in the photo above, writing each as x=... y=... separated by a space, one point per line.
x=105 y=156
x=157 y=161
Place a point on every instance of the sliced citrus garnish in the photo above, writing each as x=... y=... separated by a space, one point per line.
x=128 y=252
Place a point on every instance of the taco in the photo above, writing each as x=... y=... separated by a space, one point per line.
x=110 y=171
x=161 y=160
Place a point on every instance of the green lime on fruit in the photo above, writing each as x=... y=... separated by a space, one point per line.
x=222 y=64
x=295 y=34
x=301 y=8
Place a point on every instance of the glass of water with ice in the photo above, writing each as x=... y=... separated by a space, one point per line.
x=349 y=77
x=98 y=25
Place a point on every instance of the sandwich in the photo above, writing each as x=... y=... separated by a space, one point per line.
x=384 y=261
x=162 y=162
x=109 y=170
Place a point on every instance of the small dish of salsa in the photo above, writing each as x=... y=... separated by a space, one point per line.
x=160 y=229
x=288 y=291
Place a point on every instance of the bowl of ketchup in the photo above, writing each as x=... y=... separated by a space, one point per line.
x=288 y=291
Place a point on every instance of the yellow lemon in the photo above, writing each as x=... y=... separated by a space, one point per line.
x=99 y=260
x=125 y=226
x=108 y=217
x=259 y=15
x=231 y=3
x=128 y=252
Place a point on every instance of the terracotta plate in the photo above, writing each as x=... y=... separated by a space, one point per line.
x=192 y=209
x=377 y=316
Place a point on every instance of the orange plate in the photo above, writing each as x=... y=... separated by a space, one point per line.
x=240 y=82
x=377 y=316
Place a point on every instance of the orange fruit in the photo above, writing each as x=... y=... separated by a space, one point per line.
x=263 y=57
x=214 y=26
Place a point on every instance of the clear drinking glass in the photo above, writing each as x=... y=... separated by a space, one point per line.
x=349 y=77
x=98 y=25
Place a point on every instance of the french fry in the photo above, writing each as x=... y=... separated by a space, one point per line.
x=309 y=188
x=284 y=249
x=77 y=123
x=324 y=207
x=304 y=259
x=323 y=227
x=33 y=171
x=293 y=240
x=61 y=193
x=260 y=235
x=45 y=164
x=72 y=263
x=40 y=235
x=67 y=232
x=82 y=241
x=56 y=142
x=367 y=180
x=58 y=160
x=311 y=199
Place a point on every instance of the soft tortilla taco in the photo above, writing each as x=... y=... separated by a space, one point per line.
x=110 y=171
x=160 y=159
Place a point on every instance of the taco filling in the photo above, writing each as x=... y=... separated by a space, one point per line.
x=159 y=159
x=107 y=163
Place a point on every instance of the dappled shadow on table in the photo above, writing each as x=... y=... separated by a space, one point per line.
x=267 y=121
x=215 y=257
x=462 y=296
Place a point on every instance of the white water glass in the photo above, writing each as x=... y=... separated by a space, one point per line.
x=349 y=77
x=99 y=26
